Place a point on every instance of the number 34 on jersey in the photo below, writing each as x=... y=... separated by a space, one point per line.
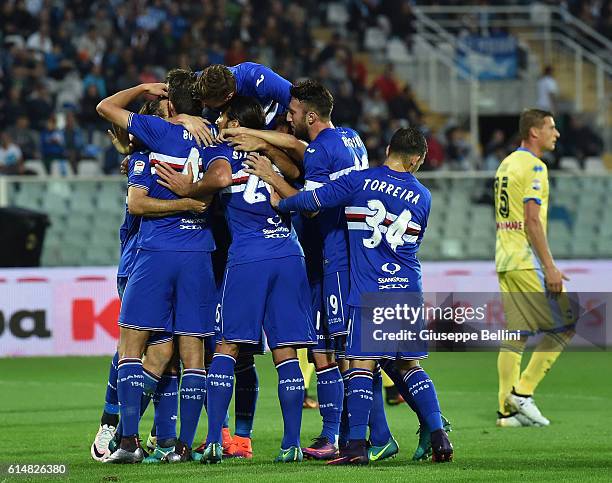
x=394 y=229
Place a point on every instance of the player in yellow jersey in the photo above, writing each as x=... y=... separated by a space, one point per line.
x=531 y=285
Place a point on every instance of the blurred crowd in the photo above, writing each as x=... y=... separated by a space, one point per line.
x=59 y=59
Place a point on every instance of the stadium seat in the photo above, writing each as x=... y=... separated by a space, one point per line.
x=35 y=165
x=60 y=167
x=569 y=163
x=89 y=167
x=397 y=51
x=375 y=39
x=594 y=165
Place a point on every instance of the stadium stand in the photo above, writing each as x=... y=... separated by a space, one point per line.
x=374 y=56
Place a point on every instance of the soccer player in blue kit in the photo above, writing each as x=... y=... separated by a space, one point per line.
x=387 y=210
x=266 y=272
x=172 y=270
x=158 y=355
x=217 y=84
x=332 y=152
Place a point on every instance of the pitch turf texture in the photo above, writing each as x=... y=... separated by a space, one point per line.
x=50 y=408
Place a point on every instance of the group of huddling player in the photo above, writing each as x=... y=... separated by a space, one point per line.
x=264 y=229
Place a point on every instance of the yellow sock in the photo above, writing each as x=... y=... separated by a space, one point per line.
x=508 y=371
x=544 y=356
x=306 y=367
x=386 y=380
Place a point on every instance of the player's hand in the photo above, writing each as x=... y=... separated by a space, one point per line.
x=260 y=166
x=159 y=89
x=247 y=142
x=553 y=278
x=229 y=132
x=123 y=168
x=119 y=141
x=179 y=183
x=197 y=126
x=197 y=206
x=274 y=198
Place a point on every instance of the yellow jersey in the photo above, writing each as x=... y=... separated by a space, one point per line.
x=522 y=176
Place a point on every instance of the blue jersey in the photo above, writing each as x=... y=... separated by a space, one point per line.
x=334 y=153
x=173 y=144
x=387 y=215
x=258 y=232
x=270 y=89
x=128 y=232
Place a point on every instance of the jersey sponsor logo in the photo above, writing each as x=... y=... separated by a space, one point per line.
x=392 y=282
x=310 y=150
x=139 y=167
x=191 y=224
x=510 y=225
x=278 y=231
x=391 y=268
x=260 y=80
x=538 y=168
x=536 y=184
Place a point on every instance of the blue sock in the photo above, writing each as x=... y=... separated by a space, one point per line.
x=130 y=385
x=150 y=386
x=424 y=397
x=380 y=433
x=344 y=422
x=166 y=407
x=111 y=402
x=247 y=390
x=291 y=398
x=330 y=392
x=359 y=403
x=401 y=386
x=193 y=394
x=220 y=388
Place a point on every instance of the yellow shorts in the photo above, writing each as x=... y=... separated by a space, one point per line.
x=529 y=309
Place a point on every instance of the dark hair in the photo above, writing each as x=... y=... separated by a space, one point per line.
x=215 y=84
x=315 y=95
x=247 y=111
x=407 y=142
x=180 y=92
x=152 y=108
x=531 y=118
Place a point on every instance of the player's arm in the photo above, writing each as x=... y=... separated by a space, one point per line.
x=121 y=140
x=141 y=204
x=261 y=167
x=248 y=143
x=113 y=108
x=287 y=142
x=218 y=175
x=197 y=126
x=336 y=193
x=538 y=241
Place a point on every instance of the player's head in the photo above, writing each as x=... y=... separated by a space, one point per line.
x=180 y=92
x=242 y=111
x=310 y=103
x=215 y=86
x=155 y=107
x=409 y=146
x=537 y=127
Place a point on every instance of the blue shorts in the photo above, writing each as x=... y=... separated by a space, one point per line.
x=210 y=343
x=171 y=292
x=335 y=296
x=356 y=337
x=268 y=296
x=155 y=337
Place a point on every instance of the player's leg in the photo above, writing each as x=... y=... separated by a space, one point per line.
x=110 y=415
x=392 y=394
x=220 y=387
x=358 y=404
x=381 y=445
x=308 y=370
x=246 y=392
x=130 y=386
x=330 y=392
x=288 y=325
x=290 y=396
x=422 y=393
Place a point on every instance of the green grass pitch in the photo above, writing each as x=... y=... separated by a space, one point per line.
x=50 y=408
